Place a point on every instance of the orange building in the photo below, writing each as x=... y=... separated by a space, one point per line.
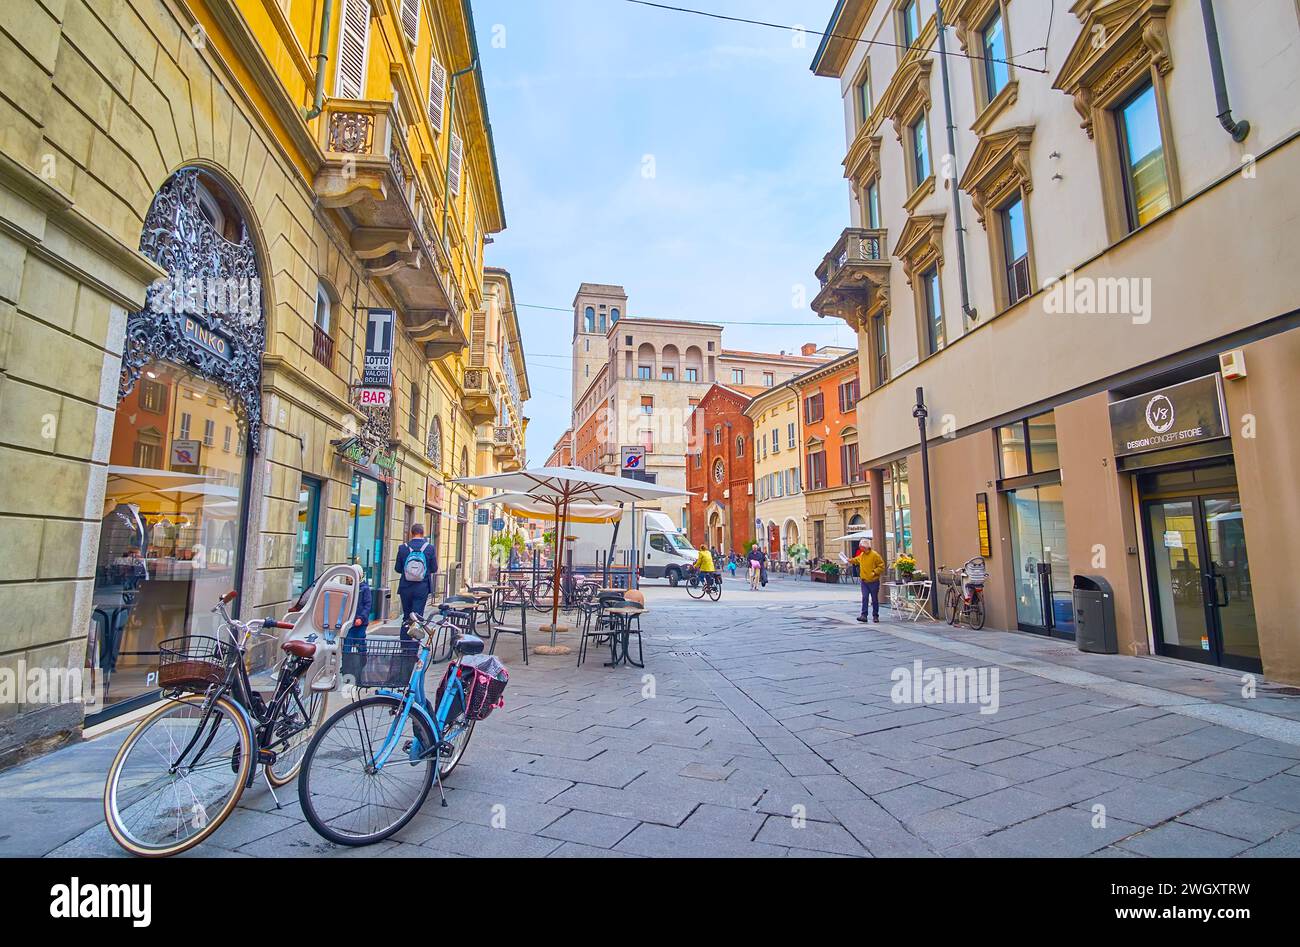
x=835 y=488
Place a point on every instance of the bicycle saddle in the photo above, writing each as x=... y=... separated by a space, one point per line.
x=299 y=649
x=469 y=644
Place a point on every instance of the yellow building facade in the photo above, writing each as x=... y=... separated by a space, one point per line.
x=207 y=211
x=778 y=477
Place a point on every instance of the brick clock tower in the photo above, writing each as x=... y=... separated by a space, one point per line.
x=720 y=469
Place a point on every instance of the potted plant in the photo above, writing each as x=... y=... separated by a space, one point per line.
x=904 y=567
x=798 y=554
x=826 y=572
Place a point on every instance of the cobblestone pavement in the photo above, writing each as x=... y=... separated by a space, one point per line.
x=764 y=725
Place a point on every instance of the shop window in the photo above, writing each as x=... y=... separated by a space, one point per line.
x=304 y=550
x=369 y=509
x=1029 y=446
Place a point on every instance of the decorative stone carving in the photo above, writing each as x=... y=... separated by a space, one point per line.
x=920 y=245
x=998 y=166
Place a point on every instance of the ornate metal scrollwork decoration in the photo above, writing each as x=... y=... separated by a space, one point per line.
x=207 y=314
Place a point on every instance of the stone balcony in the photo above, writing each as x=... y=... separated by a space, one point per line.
x=506 y=448
x=368 y=176
x=480 y=395
x=853 y=275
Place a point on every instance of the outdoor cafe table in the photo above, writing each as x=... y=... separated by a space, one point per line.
x=910 y=599
x=619 y=639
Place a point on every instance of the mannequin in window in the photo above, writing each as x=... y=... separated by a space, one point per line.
x=121 y=530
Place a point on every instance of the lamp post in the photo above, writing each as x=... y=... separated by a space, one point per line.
x=921 y=414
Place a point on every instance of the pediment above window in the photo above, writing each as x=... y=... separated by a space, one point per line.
x=1119 y=39
x=862 y=163
x=998 y=168
x=920 y=245
x=908 y=94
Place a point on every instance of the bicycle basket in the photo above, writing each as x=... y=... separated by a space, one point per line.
x=193 y=663
x=379 y=662
x=458 y=701
x=487 y=686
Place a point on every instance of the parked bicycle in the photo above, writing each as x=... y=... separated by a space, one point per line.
x=699 y=584
x=369 y=769
x=964 y=600
x=181 y=771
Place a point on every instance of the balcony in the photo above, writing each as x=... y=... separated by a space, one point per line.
x=480 y=395
x=853 y=275
x=505 y=448
x=322 y=347
x=368 y=176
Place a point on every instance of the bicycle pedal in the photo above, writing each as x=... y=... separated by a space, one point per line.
x=266 y=757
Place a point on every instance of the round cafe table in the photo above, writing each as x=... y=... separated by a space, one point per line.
x=618 y=640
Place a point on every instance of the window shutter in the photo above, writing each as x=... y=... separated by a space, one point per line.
x=455 y=156
x=437 y=93
x=354 y=36
x=411 y=20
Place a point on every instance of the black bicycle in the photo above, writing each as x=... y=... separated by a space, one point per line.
x=699 y=585
x=181 y=771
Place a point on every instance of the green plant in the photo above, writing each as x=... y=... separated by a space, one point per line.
x=831 y=569
x=797 y=552
x=501 y=545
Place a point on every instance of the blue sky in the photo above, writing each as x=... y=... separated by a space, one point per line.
x=747 y=192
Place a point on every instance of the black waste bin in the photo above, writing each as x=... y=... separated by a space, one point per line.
x=1094 y=615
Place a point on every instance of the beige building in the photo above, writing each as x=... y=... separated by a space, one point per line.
x=1093 y=289
x=199 y=241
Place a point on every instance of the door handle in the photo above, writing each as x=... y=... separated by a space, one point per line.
x=1223 y=582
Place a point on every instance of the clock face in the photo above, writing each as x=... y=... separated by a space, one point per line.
x=719 y=471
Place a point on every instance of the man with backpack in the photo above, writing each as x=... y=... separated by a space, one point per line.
x=417 y=563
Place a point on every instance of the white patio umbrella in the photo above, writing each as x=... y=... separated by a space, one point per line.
x=854 y=537
x=560 y=488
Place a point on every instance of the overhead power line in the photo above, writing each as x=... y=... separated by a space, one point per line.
x=844 y=36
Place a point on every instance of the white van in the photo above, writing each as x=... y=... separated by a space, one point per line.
x=662 y=548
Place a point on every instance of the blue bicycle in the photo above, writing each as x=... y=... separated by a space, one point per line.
x=370 y=767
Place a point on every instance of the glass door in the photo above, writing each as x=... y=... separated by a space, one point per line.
x=1200 y=581
x=304 y=549
x=366 y=533
x=1043 y=582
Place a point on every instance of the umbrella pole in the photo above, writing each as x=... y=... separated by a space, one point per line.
x=561 y=521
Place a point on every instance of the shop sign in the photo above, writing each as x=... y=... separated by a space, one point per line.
x=1187 y=413
x=210 y=340
x=432 y=493
x=378 y=371
x=185 y=453
x=375 y=397
x=482 y=517
x=371 y=460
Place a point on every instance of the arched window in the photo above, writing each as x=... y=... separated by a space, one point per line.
x=464 y=461
x=433 y=449
x=590 y=318
x=324 y=308
x=717 y=434
x=740 y=445
x=613 y=315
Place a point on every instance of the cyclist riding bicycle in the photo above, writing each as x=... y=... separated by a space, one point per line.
x=705 y=566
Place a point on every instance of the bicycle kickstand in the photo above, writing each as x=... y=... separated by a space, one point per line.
x=437 y=777
x=267 y=777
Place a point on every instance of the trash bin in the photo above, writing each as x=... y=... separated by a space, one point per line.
x=1094 y=615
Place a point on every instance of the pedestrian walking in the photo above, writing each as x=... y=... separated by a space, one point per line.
x=417 y=564
x=870 y=569
x=755 y=566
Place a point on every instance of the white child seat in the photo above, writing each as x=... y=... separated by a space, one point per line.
x=327 y=613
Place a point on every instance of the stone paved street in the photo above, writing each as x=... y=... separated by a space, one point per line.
x=771 y=732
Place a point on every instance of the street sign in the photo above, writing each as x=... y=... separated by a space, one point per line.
x=482 y=517
x=185 y=453
x=498 y=524
x=634 y=458
x=376 y=397
x=378 y=371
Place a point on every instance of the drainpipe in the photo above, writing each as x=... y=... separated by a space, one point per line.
x=1237 y=129
x=968 y=315
x=451 y=125
x=322 y=57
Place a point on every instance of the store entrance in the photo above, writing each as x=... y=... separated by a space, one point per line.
x=1038 y=547
x=1199 y=569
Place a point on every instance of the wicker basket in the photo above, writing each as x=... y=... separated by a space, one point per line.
x=193 y=663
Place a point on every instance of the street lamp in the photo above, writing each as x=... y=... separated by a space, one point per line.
x=921 y=414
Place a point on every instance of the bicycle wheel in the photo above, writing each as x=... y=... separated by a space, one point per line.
x=454 y=743
x=293 y=732
x=344 y=796
x=153 y=807
x=694 y=588
x=952 y=605
x=542 y=596
x=715 y=590
x=977 y=612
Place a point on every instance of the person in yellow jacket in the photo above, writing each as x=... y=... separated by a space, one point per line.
x=871 y=567
x=705 y=564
